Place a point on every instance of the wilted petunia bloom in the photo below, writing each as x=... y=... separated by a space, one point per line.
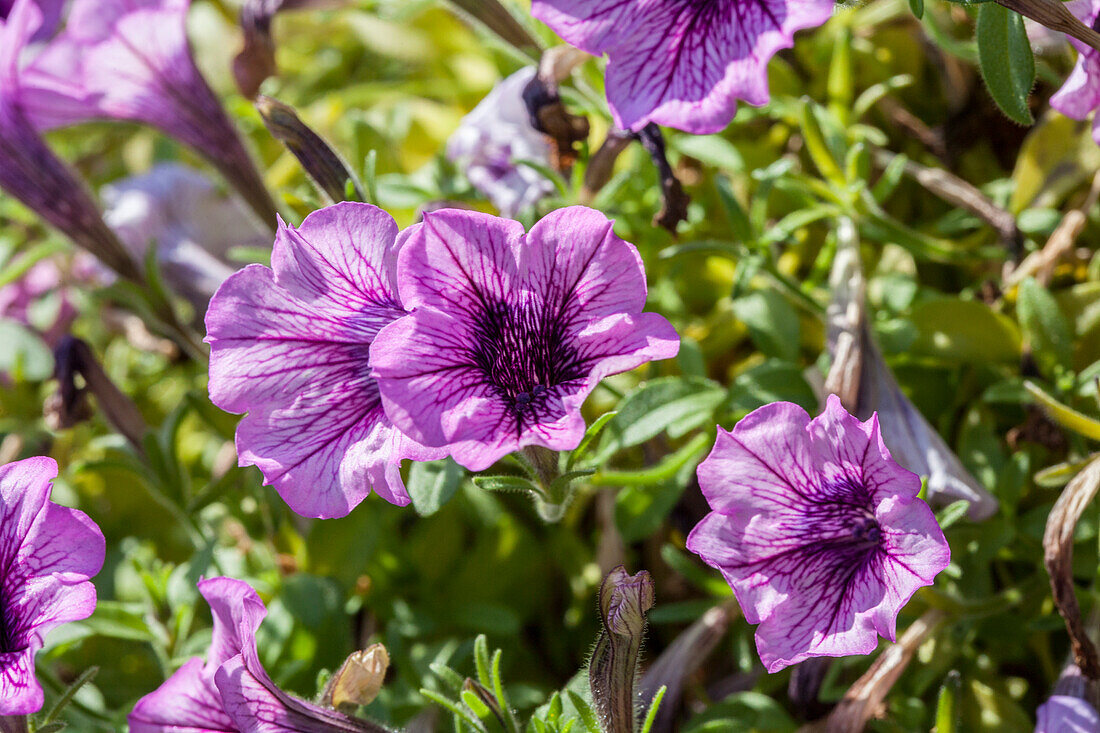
x=231 y=691
x=130 y=60
x=191 y=223
x=817 y=530
x=1080 y=95
x=30 y=172
x=49 y=553
x=291 y=346
x=509 y=332
x=1067 y=714
x=682 y=63
x=492 y=139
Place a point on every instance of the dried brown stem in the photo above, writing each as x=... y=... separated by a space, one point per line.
x=956 y=191
x=864 y=699
x=1056 y=16
x=1058 y=557
x=497 y=19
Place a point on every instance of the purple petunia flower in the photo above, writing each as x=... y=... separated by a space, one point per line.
x=49 y=553
x=292 y=347
x=1067 y=714
x=509 y=332
x=231 y=692
x=1080 y=95
x=130 y=60
x=30 y=172
x=682 y=63
x=493 y=137
x=817 y=530
x=191 y=223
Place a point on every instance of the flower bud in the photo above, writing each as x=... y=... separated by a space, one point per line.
x=359 y=679
x=624 y=601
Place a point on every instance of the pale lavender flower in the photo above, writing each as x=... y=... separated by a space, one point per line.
x=291 y=346
x=1080 y=95
x=191 y=223
x=130 y=60
x=819 y=533
x=509 y=332
x=30 y=172
x=231 y=692
x=493 y=138
x=49 y=553
x=1067 y=714
x=682 y=63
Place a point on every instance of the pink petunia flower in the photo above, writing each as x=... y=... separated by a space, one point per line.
x=819 y=533
x=49 y=553
x=493 y=138
x=1080 y=95
x=231 y=691
x=682 y=63
x=509 y=332
x=130 y=60
x=291 y=346
x=29 y=171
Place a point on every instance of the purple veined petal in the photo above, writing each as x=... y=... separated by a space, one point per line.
x=46 y=581
x=457 y=261
x=185 y=703
x=818 y=532
x=256 y=705
x=510 y=332
x=682 y=64
x=594 y=26
x=770 y=450
x=850 y=447
x=292 y=348
x=20 y=693
x=573 y=259
x=342 y=260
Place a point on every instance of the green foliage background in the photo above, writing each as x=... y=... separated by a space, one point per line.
x=745 y=282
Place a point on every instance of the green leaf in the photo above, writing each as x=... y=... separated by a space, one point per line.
x=432 y=484
x=1005 y=59
x=1065 y=416
x=772 y=322
x=1046 y=328
x=654 y=706
x=24 y=355
x=504 y=483
x=947 y=708
x=917 y=6
x=590 y=435
x=674 y=404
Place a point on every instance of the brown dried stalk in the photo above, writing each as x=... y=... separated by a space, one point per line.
x=1054 y=15
x=1058 y=557
x=864 y=699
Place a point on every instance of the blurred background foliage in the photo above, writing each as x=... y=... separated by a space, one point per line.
x=745 y=282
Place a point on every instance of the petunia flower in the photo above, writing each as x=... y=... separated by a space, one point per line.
x=291 y=346
x=509 y=332
x=1067 y=714
x=678 y=63
x=130 y=60
x=190 y=222
x=231 y=691
x=491 y=141
x=819 y=533
x=30 y=172
x=49 y=552
x=1080 y=95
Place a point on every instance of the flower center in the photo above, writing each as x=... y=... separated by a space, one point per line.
x=866 y=530
x=522 y=351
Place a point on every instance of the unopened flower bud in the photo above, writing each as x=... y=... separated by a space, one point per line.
x=359 y=679
x=320 y=161
x=624 y=601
